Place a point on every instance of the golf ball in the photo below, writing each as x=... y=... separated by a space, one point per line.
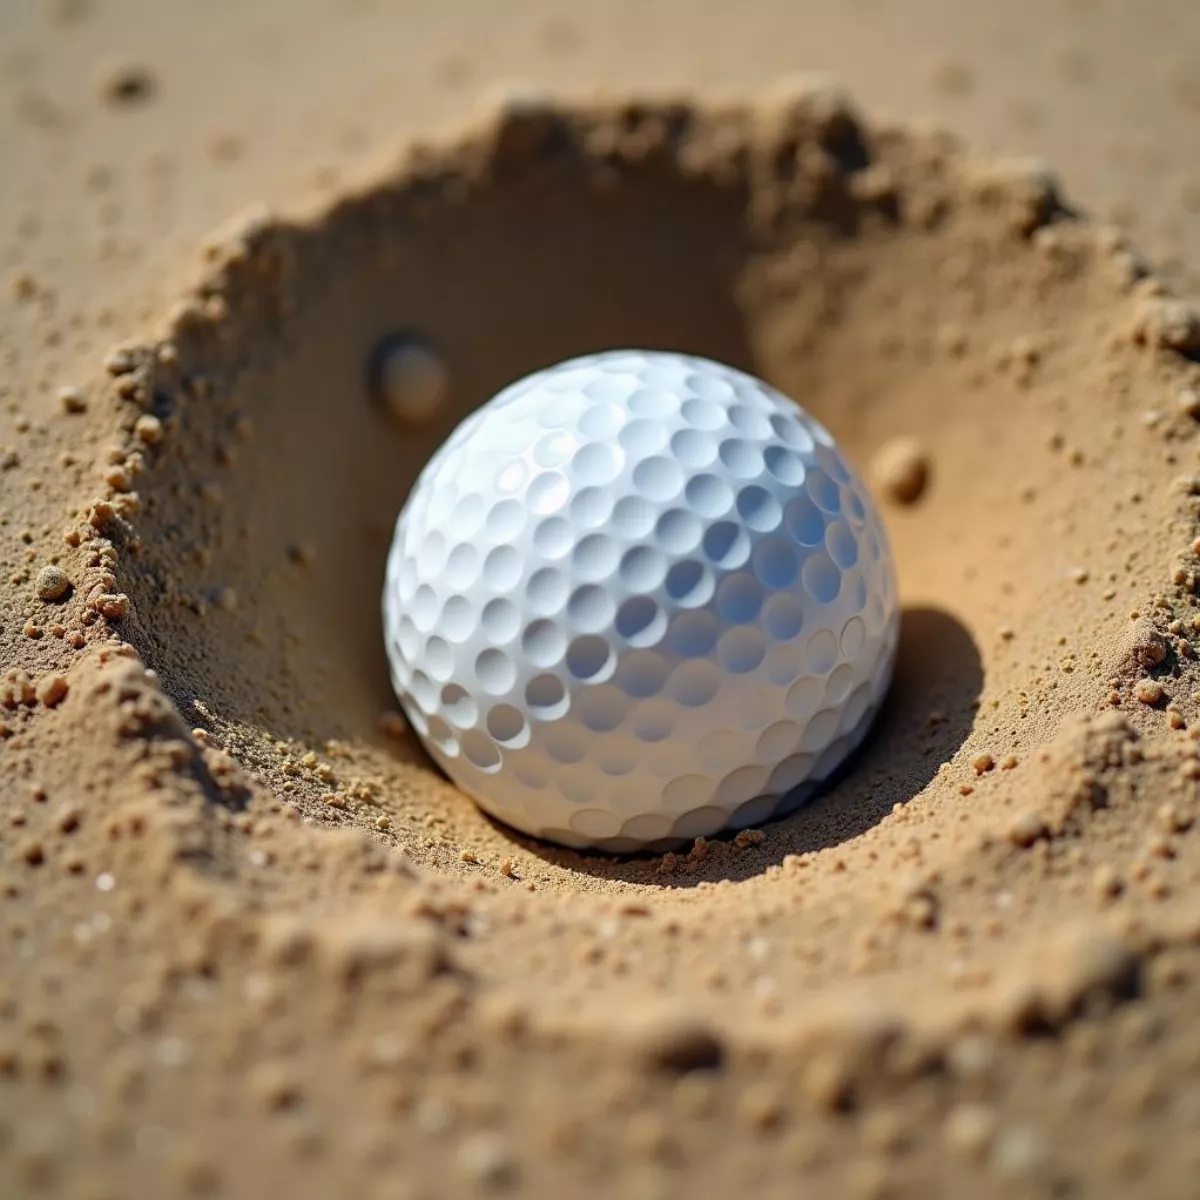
x=637 y=598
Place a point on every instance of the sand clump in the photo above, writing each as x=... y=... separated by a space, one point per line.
x=257 y=932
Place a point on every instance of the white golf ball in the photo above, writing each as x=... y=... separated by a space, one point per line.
x=638 y=598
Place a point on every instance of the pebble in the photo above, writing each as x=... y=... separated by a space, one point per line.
x=1026 y=829
x=900 y=470
x=149 y=429
x=71 y=399
x=410 y=380
x=273 y=1086
x=1106 y=883
x=1174 y=819
x=120 y=361
x=982 y=763
x=52 y=584
x=969 y=1129
x=52 y=689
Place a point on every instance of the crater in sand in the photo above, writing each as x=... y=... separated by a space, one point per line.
x=890 y=284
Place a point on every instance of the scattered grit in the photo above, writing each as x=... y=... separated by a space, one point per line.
x=255 y=945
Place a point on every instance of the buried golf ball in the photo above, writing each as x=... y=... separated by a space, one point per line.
x=638 y=598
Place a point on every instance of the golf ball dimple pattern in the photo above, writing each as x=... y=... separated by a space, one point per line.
x=638 y=598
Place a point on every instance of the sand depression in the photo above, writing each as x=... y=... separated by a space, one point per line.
x=987 y=863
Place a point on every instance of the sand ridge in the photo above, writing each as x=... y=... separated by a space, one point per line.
x=1008 y=867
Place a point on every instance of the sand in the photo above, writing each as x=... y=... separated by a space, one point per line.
x=256 y=944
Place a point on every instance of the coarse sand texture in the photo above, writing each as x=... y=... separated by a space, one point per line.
x=257 y=943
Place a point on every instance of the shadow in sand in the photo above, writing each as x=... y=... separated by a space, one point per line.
x=926 y=718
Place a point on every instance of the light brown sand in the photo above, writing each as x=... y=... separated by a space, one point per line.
x=256 y=946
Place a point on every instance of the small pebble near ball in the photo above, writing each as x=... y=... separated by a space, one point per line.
x=410 y=380
x=900 y=471
x=638 y=598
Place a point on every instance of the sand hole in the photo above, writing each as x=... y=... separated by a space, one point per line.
x=890 y=286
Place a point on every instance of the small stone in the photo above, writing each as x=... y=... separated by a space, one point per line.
x=31 y=852
x=969 y=1129
x=72 y=400
x=118 y=478
x=273 y=1085
x=900 y=470
x=1026 y=829
x=52 y=689
x=1174 y=819
x=120 y=361
x=392 y=724
x=410 y=380
x=53 y=584
x=225 y=598
x=149 y=429
x=1106 y=883
x=1149 y=691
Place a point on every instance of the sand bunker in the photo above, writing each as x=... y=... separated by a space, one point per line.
x=275 y=842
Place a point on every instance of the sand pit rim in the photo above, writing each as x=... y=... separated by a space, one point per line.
x=1034 y=202
x=809 y=104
